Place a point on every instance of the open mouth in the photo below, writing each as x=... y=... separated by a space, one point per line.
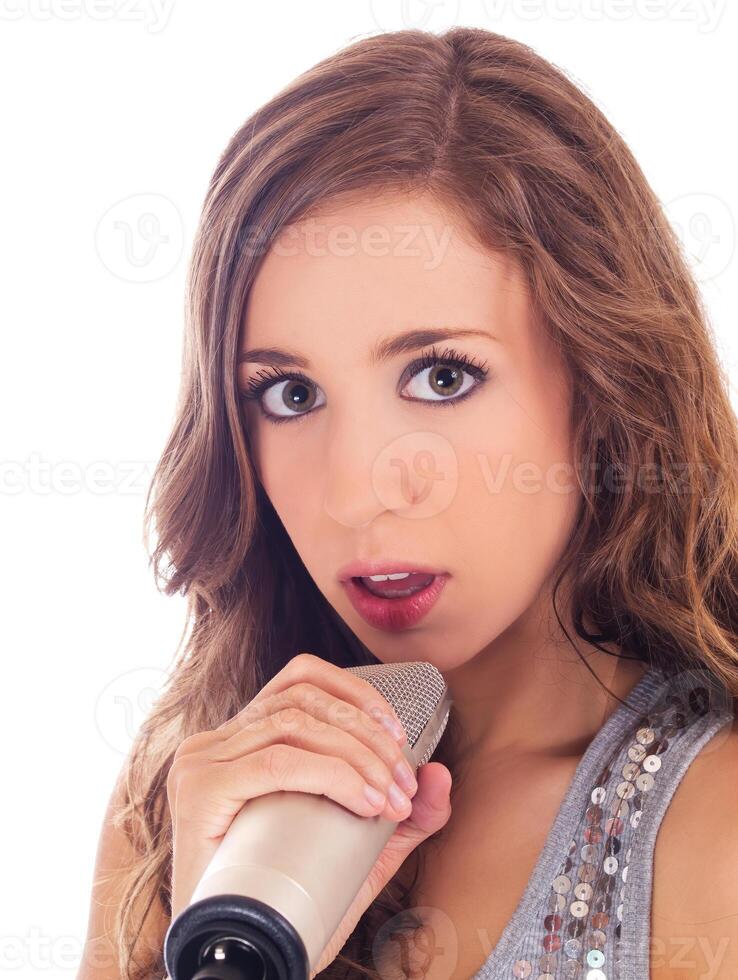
x=395 y=587
x=397 y=602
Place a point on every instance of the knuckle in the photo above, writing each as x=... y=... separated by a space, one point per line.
x=183 y=748
x=304 y=661
x=277 y=763
x=375 y=769
x=308 y=658
x=302 y=692
x=180 y=773
x=288 y=718
x=171 y=782
x=192 y=743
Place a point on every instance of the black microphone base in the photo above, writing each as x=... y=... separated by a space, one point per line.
x=233 y=937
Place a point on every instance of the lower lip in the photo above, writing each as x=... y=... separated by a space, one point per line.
x=394 y=614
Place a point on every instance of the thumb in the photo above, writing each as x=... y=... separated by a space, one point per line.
x=431 y=803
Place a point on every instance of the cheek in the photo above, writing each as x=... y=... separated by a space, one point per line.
x=291 y=483
x=514 y=513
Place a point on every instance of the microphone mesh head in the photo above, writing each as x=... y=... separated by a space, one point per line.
x=415 y=690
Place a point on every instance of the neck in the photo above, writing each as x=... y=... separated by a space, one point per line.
x=529 y=692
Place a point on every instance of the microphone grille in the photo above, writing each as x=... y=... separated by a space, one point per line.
x=417 y=691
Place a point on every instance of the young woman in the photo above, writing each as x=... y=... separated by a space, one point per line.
x=440 y=330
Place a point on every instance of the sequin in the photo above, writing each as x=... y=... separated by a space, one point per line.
x=552 y=923
x=614 y=825
x=583 y=891
x=631 y=770
x=619 y=808
x=645 y=735
x=595 y=957
x=625 y=790
x=699 y=700
x=588 y=852
x=612 y=845
x=587 y=872
x=579 y=927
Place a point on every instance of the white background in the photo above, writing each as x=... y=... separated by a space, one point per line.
x=115 y=109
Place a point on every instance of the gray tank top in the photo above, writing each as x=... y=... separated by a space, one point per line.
x=585 y=912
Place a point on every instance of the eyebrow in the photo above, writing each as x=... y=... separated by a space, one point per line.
x=382 y=351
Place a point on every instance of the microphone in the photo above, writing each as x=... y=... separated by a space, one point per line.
x=291 y=863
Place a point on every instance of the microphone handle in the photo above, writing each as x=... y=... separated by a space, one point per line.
x=282 y=879
x=303 y=855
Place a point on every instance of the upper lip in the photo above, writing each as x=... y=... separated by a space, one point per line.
x=383 y=566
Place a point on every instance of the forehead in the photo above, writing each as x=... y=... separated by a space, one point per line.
x=378 y=265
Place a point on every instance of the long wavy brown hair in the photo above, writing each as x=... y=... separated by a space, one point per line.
x=506 y=141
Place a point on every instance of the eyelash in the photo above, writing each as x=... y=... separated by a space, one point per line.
x=449 y=357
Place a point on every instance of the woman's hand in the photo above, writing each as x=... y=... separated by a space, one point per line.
x=313 y=728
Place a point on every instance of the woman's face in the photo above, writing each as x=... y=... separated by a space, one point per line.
x=434 y=466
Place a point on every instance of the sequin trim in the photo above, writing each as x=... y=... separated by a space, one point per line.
x=578 y=929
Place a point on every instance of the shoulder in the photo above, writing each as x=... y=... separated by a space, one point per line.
x=115 y=856
x=694 y=912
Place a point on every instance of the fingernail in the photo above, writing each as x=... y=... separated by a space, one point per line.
x=397 y=798
x=394 y=727
x=389 y=722
x=405 y=776
x=375 y=797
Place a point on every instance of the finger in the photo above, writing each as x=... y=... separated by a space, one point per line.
x=316 y=708
x=291 y=727
x=432 y=803
x=286 y=767
x=307 y=668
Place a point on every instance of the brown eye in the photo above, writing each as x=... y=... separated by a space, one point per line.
x=451 y=378
x=289 y=398
x=445 y=380
x=441 y=381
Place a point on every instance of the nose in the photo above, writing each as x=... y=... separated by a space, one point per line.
x=364 y=471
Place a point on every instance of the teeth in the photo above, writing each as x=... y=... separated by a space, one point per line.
x=393 y=576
